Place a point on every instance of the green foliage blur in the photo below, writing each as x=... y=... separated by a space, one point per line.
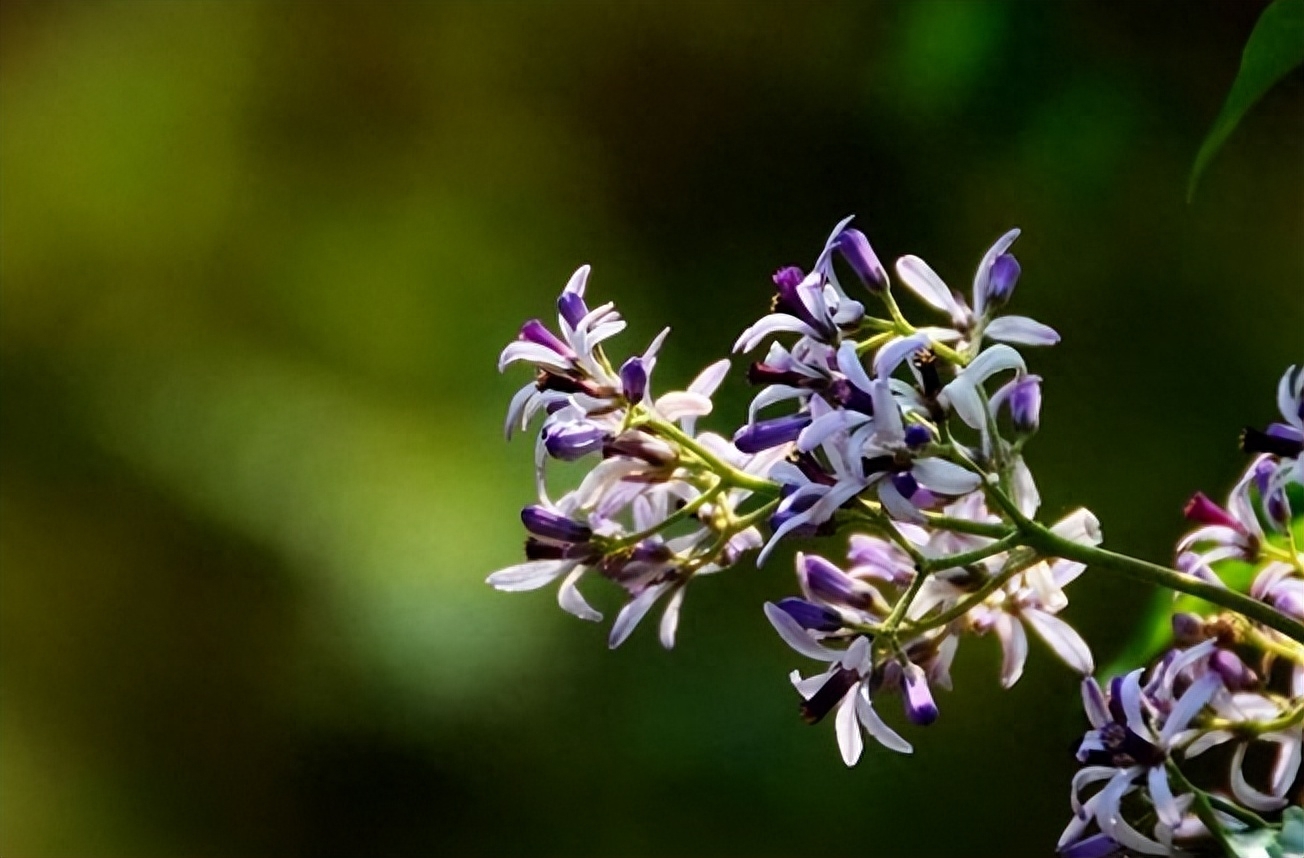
x=257 y=262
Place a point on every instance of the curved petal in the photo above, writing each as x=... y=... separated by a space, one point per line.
x=1246 y=794
x=633 y=612
x=572 y=601
x=771 y=395
x=1189 y=705
x=1063 y=639
x=1014 y=648
x=876 y=727
x=1162 y=796
x=897 y=505
x=578 y=281
x=1206 y=741
x=921 y=279
x=709 y=379
x=943 y=477
x=679 y=404
x=670 y=619
x=890 y=356
x=849 y=365
x=772 y=324
x=1021 y=330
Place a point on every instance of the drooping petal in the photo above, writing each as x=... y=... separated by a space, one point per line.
x=876 y=727
x=633 y=612
x=1063 y=639
x=774 y=323
x=1162 y=796
x=572 y=601
x=889 y=429
x=1206 y=741
x=1246 y=794
x=771 y=395
x=1093 y=702
x=1014 y=648
x=670 y=619
x=679 y=404
x=897 y=505
x=850 y=742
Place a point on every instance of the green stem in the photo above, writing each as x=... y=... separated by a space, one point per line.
x=964 y=558
x=722 y=469
x=959 y=609
x=678 y=515
x=1051 y=543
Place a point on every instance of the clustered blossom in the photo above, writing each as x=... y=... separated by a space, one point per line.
x=1227 y=682
x=912 y=438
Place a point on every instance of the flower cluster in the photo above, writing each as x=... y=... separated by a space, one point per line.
x=1229 y=681
x=911 y=438
x=654 y=472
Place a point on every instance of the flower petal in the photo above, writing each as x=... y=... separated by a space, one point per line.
x=795 y=636
x=633 y=612
x=529 y=576
x=670 y=619
x=1021 y=330
x=921 y=279
x=710 y=378
x=943 y=477
x=1063 y=639
x=876 y=727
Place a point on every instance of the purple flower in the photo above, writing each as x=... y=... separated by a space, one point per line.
x=992 y=285
x=756 y=437
x=843 y=688
x=1023 y=396
x=547 y=524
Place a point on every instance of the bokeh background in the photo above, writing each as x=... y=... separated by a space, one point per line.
x=258 y=261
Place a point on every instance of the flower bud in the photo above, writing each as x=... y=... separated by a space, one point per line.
x=764 y=434
x=1235 y=675
x=823 y=581
x=548 y=524
x=1001 y=282
x=1201 y=510
x=571 y=307
x=855 y=248
x=573 y=440
x=1188 y=629
x=810 y=616
x=920 y=707
x=917 y=436
x=534 y=331
x=633 y=379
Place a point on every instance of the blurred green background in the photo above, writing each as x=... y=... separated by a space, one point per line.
x=258 y=261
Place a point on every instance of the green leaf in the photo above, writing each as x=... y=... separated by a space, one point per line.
x=1275 y=48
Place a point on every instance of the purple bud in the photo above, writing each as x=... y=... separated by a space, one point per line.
x=555 y=526
x=1098 y=845
x=917 y=436
x=571 y=441
x=810 y=616
x=1287 y=596
x=905 y=483
x=765 y=434
x=533 y=331
x=1000 y=283
x=920 y=708
x=633 y=379
x=788 y=278
x=1235 y=675
x=1188 y=629
x=572 y=308
x=825 y=582
x=1024 y=397
x=1201 y=510
x=1276 y=443
x=860 y=256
